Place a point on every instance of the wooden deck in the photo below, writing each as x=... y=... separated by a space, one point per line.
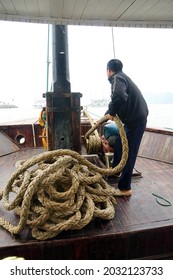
x=141 y=228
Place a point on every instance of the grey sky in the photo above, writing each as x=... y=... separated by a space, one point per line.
x=145 y=53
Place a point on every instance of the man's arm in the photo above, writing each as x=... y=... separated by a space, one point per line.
x=119 y=95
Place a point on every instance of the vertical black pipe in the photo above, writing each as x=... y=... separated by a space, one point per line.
x=60 y=61
x=63 y=107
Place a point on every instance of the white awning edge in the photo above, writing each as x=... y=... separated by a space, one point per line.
x=63 y=21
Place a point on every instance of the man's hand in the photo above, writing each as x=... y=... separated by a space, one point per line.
x=109 y=117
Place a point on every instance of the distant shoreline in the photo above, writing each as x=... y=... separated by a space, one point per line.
x=7 y=106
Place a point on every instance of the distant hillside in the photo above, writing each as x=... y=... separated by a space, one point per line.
x=160 y=98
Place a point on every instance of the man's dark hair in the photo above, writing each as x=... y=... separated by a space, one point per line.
x=115 y=65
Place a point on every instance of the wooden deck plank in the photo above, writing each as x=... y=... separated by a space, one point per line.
x=141 y=228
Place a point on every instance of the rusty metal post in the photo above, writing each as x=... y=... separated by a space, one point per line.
x=63 y=107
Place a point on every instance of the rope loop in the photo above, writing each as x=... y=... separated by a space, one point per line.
x=59 y=190
x=125 y=149
x=56 y=191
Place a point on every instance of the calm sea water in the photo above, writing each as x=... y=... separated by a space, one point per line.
x=16 y=114
x=160 y=115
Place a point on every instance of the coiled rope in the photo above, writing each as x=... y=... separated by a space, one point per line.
x=92 y=138
x=57 y=191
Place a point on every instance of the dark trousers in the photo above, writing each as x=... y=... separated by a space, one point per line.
x=134 y=137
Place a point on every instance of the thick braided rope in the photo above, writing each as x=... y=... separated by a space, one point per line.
x=92 y=138
x=64 y=191
x=90 y=141
x=93 y=144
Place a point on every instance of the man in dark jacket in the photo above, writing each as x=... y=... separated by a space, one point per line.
x=130 y=106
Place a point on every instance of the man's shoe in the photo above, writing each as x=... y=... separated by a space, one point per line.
x=119 y=192
x=112 y=179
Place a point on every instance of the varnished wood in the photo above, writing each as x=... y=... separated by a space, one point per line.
x=7 y=146
x=141 y=228
x=157 y=144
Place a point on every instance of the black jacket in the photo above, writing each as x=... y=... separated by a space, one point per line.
x=127 y=101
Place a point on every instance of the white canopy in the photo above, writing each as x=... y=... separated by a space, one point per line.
x=132 y=13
